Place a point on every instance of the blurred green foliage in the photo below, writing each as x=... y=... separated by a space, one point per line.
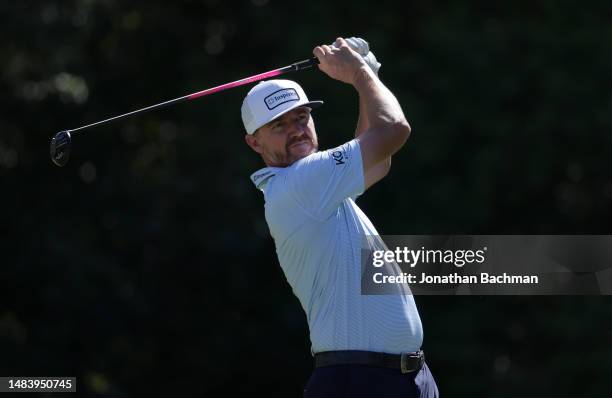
x=145 y=266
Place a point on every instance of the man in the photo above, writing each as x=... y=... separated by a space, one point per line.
x=364 y=346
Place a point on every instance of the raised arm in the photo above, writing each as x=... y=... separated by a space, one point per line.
x=379 y=171
x=387 y=129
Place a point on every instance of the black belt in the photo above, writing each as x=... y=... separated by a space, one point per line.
x=406 y=361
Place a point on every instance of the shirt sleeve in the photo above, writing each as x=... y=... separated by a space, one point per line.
x=321 y=181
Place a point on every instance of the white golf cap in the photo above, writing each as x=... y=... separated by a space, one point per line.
x=271 y=99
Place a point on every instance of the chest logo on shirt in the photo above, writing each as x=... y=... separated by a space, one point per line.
x=338 y=157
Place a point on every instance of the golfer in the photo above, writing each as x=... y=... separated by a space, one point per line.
x=363 y=345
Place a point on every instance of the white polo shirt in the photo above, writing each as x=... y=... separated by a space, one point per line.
x=319 y=233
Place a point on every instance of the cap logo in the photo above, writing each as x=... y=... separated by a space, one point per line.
x=280 y=97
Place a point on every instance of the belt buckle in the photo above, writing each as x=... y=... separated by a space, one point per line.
x=405 y=356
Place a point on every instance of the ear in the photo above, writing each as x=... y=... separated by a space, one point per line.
x=252 y=141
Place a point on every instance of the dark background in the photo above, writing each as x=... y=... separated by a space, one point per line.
x=145 y=265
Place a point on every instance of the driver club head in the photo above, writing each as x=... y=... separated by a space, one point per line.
x=60 y=148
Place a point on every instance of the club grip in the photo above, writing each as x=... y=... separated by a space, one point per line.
x=308 y=63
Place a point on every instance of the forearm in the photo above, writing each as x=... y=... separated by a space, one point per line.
x=362 y=120
x=378 y=107
x=382 y=168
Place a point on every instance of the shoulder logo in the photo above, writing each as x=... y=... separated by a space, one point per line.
x=279 y=97
x=338 y=157
x=262 y=175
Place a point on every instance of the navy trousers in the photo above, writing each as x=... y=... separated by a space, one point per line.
x=358 y=381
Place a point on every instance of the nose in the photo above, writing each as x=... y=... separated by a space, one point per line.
x=298 y=123
x=295 y=129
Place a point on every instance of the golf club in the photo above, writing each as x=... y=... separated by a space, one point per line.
x=60 y=143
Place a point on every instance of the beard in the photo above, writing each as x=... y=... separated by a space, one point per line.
x=305 y=146
x=299 y=148
x=294 y=149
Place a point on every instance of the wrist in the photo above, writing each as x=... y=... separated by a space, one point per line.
x=363 y=77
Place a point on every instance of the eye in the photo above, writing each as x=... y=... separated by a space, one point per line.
x=277 y=127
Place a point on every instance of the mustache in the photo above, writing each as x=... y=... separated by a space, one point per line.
x=298 y=139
